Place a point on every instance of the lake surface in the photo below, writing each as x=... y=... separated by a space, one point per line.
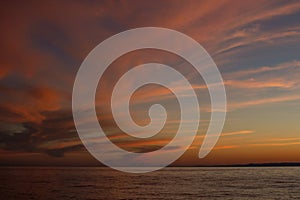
x=169 y=183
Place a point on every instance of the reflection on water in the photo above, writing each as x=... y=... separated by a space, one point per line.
x=169 y=183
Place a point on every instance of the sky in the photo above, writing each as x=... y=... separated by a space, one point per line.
x=255 y=45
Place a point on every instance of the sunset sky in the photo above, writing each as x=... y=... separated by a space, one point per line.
x=255 y=44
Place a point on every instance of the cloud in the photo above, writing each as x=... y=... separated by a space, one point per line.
x=277 y=144
x=263 y=69
x=28 y=104
x=254 y=84
x=260 y=38
x=284 y=139
x=262 y=101
x=199 y=139
x=226 y=147
x=42 y=49
x=234 y=133
x=156 y=142
x=265 y=85
x=218 y=147
x=53 y=135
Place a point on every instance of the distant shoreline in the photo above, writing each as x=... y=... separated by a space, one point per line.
x=282 y=164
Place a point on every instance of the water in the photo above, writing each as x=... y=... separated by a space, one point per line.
x=170 y=183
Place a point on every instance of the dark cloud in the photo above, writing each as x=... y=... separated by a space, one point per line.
x=35 y=137
x=62 y=151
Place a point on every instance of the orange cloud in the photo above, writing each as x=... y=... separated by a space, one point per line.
x=157 y=142
x=234 y=133
x=284 y=139
x=29 y=104
x=277 y=144
x=4 y=71
x=226 y=147
x=242 y=132
x=253 y=84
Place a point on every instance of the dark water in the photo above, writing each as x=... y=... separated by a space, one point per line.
x=170 y=183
